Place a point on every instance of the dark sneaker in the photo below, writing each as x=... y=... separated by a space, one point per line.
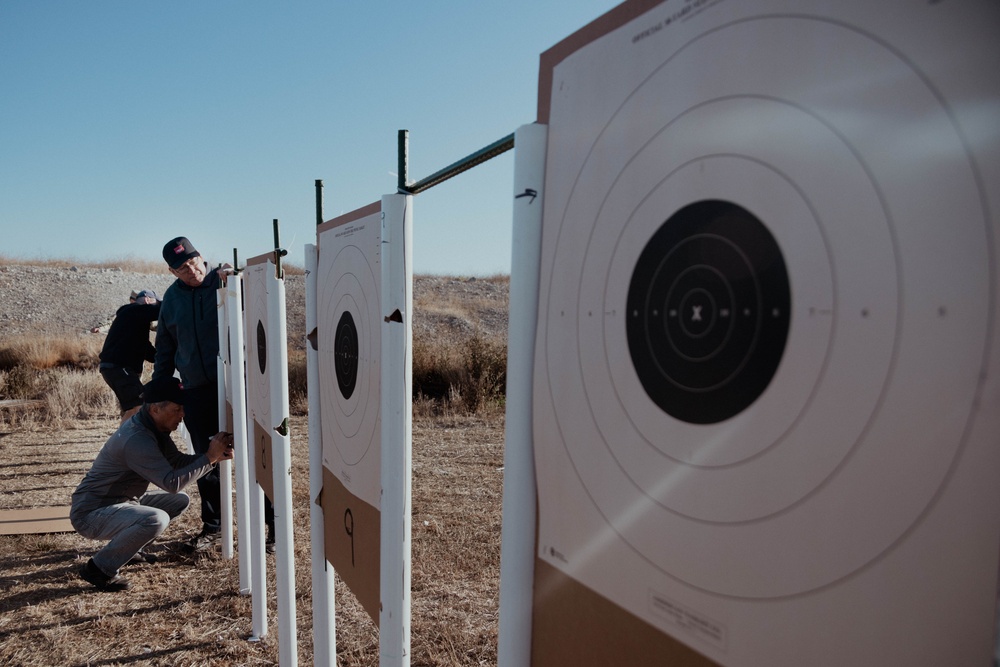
x=205 y=540
x=93 y=575
x=142 y=557
x=269 y=545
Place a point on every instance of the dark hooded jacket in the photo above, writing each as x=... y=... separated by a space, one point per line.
x=187 y=335
x=127 y=344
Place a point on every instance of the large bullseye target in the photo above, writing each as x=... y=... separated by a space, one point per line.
x=256 y=314
x=749 y=301
x=349 y=351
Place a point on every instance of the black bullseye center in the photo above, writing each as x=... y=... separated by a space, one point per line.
x=708 y=312
x=345 y=355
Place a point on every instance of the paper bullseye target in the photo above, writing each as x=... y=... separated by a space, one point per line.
x=760 y=266
x=256 y=314
x=349 y=368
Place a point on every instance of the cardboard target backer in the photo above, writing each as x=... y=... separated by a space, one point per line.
x=765 y=395
x=349 y=349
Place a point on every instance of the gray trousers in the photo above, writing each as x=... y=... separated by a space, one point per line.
x=130 y=526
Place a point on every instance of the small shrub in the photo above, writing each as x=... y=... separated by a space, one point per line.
x=76 y=395
x=469 y=377
x=42 y=353
x=298 y=395
x=22 y=382
x=485 y=374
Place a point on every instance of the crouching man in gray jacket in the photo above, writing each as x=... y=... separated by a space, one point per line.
x=111 y=502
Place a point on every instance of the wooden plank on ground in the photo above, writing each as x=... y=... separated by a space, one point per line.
x=35 y=520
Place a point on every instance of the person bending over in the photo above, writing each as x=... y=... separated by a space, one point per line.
x=126 y=347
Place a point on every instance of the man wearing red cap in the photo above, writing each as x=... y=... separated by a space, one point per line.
x=187 y=340
x=112 y=503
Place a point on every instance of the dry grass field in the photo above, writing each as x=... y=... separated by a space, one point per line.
x=187 y=609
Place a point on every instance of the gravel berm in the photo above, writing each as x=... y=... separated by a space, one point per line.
x=44 y=300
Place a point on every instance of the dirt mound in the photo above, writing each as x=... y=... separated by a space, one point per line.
x=72 y=300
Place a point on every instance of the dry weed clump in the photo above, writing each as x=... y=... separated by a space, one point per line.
x=78 y=395
x=58 y=374
x=468 y=376
x=298 y=395
x=45 y=352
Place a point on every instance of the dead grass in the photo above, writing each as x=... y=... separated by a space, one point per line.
x=45 y=352
x=186 y=610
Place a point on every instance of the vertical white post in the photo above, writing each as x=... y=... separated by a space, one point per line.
x=397 y=429
x=282 y=471
x=258 y=563
x=517 y=536
x=237 y=387
x=225 y=467
x=324 y=620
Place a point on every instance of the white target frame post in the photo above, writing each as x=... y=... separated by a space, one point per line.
x=396 y=289
x=231 y=336
x=323 y=589
x=225 y=467
x=225 y=412
x=517 y=536
x=271 y=360
x=397 y=429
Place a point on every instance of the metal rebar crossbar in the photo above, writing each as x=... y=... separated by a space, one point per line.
x=466 y=163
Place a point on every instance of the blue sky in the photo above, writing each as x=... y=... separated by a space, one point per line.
x=124 y=123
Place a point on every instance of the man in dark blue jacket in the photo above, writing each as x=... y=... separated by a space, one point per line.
x=187 y=340
x=126 y=347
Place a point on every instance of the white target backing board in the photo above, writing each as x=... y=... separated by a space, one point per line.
x=267 y=420
x=766 y=398
x=261 y=354
x=349 y=358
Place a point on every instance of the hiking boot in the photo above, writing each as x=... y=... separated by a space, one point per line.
x=142 y=557
x=269 y=544
x=93 y=575
x=205 y=540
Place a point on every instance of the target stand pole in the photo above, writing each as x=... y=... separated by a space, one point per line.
x=324 y=618
x=397 y=430
x=225 y=467
x=255 y=538
x=237 y=384
x=517 y=537
x=282 y=471
x=319 y=202
x=482 y=155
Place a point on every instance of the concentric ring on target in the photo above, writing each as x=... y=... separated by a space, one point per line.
x=708 y=312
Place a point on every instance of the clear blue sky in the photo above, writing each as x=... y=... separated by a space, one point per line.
x=124 y=123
